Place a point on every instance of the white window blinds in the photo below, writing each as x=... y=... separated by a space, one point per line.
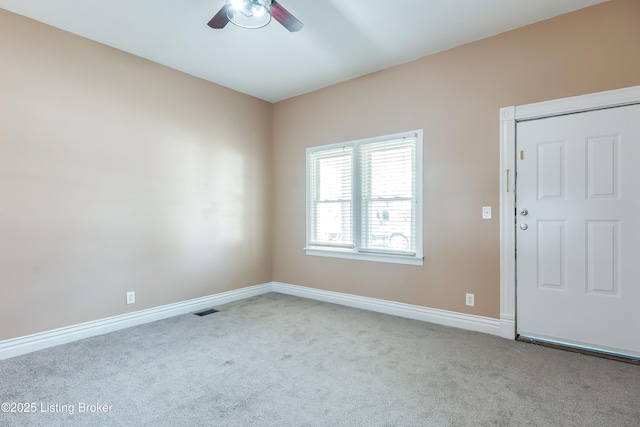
x=388 y=196
x=330 y=202
x=364 y=199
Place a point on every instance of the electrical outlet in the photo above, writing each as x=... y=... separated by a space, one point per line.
x=471 y=300
x=131 y=297
x=486 y=212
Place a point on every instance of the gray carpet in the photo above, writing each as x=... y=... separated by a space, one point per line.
x=277 y=360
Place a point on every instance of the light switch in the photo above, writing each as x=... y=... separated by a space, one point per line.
x=486 y=212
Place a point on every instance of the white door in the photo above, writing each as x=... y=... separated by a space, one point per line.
x=578 y=229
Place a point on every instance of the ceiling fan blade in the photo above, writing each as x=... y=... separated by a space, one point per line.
x=220 y=19
x=283 y=16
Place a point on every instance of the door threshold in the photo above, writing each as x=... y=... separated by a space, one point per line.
x=619 y=357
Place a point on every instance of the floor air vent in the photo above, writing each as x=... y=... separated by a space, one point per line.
x=206 y=312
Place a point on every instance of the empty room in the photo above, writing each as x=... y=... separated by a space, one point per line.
x=319 y=213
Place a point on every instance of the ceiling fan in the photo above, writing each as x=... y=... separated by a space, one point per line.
x=254 y=14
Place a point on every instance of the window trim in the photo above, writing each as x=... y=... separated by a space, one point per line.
x=356 y=252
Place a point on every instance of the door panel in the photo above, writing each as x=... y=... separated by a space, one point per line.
x=603 y=266
x=578 y=258
x=551 y=254
x=551 y=170
x=603 y=169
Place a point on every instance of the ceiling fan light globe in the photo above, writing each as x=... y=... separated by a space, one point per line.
x=258 y=11
x=239 y=4
x=249 y=13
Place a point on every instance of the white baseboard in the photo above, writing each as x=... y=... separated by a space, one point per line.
x=508 y=326
x=27 y=344
x=504 y=327
x=425 y=314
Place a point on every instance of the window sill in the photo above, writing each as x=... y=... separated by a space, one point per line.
x=351 y=254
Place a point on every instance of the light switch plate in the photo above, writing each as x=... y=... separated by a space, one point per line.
x=486 y=212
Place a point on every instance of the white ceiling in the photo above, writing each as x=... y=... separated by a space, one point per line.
x=341 y=39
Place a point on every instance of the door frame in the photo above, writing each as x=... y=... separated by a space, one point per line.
x=509 y=118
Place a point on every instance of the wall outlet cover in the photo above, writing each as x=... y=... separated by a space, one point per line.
x=486 y=212
x=470 y=300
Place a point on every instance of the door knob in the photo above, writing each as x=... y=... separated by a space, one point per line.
x=524 y=212
x=523 y=226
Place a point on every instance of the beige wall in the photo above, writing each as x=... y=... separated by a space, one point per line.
x=119 y=174
x=455 y=97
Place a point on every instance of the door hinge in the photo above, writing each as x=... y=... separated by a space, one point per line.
x=521 y=154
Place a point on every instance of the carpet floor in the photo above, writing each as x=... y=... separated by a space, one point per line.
x=278 y=360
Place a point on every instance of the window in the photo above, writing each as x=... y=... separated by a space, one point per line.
x=364 y=199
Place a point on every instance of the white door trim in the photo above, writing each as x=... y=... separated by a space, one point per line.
x=509 y=117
